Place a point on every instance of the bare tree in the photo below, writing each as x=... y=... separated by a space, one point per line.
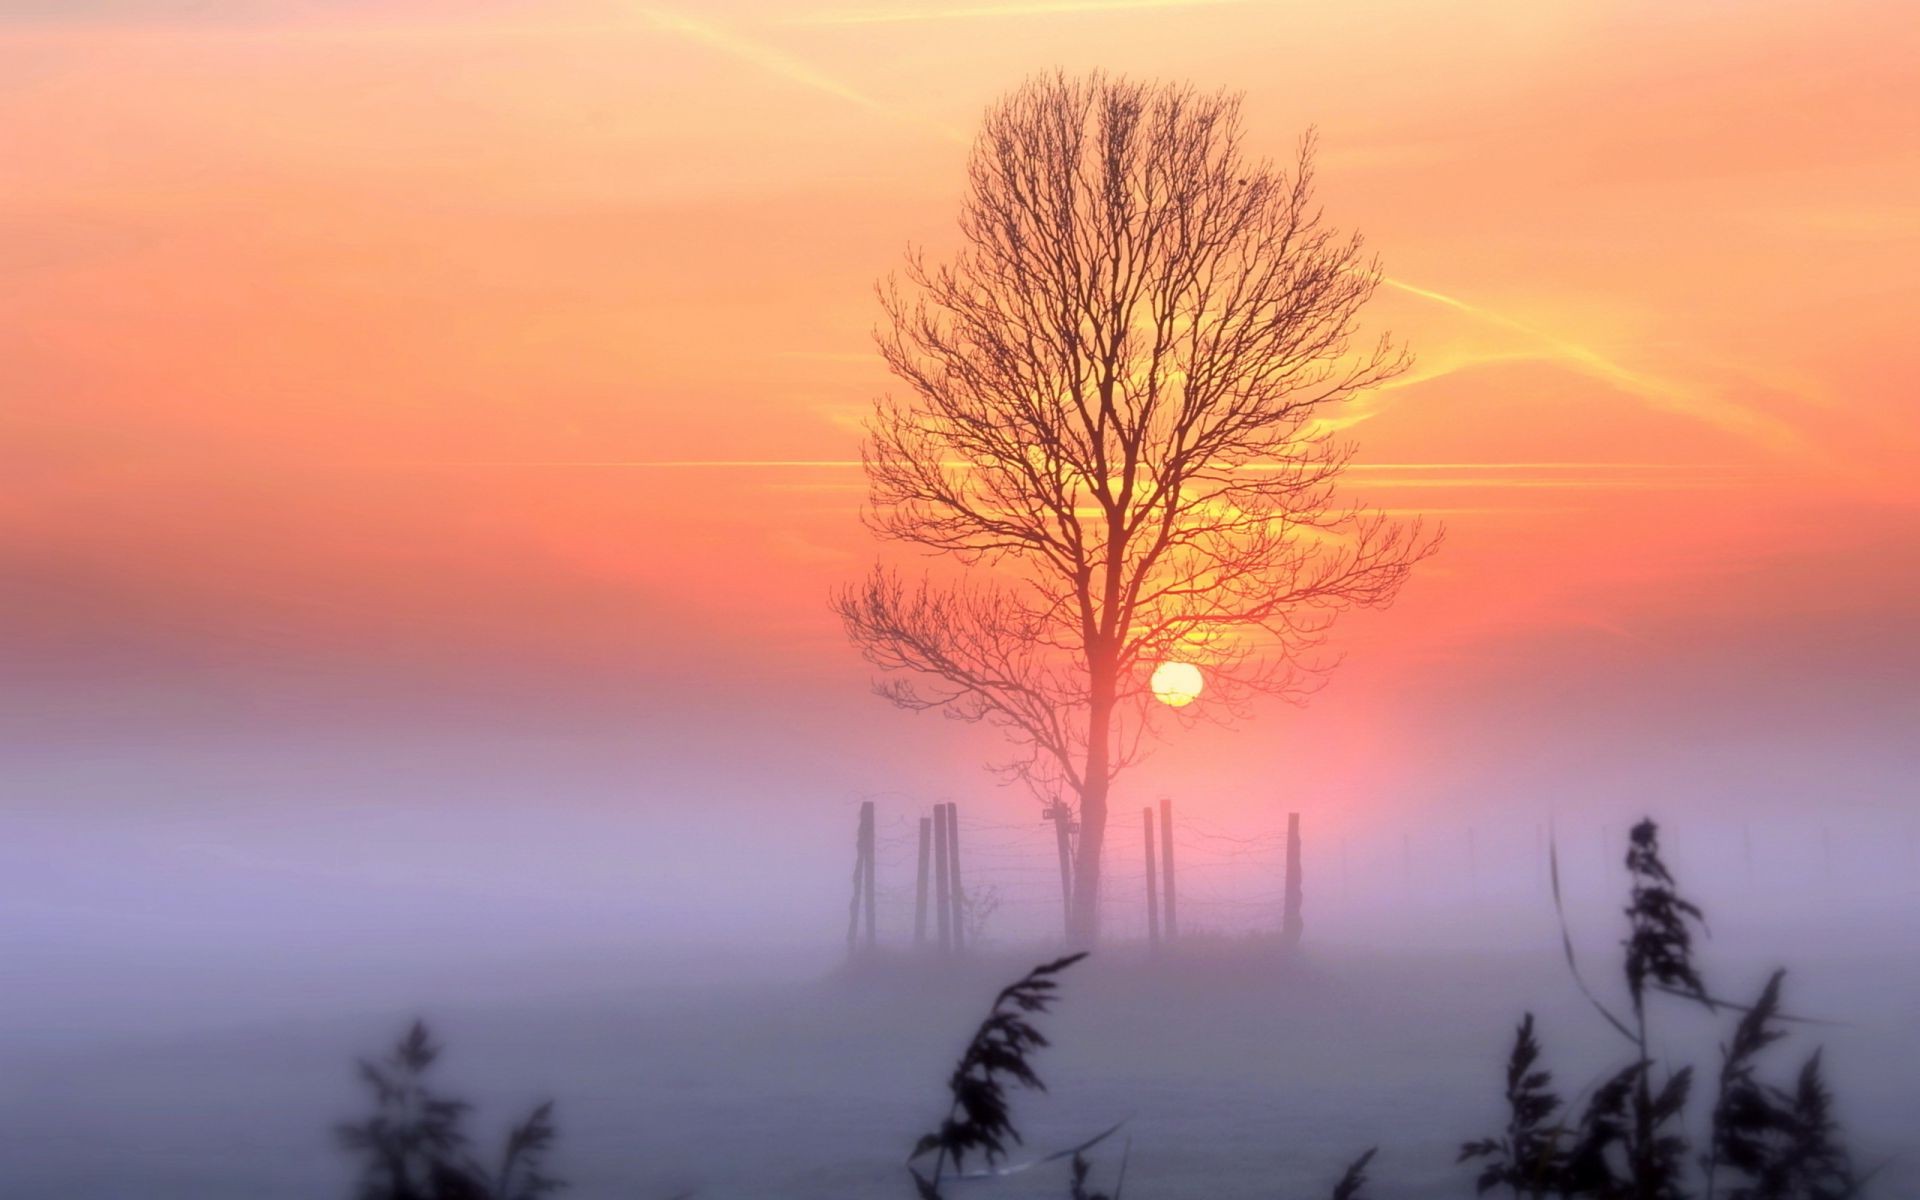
x=1118 y=396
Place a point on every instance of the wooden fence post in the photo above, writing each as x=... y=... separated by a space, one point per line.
x=920 y=885
x=942 y=894
x=859 y=877
x=1540 y=858
x=1473 y=860
x=953 y=877
x=1291 y=925
x=866 y=856
x=1172 y=924
x=1062 y=836
x=1153 y=897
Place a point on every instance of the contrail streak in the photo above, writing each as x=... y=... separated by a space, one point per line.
x=1729 y=416
x=1732 y=417
x=779 y=63
x=775 y=62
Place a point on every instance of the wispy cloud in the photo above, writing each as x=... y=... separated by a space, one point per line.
x=834 y=356
x=1539 y=466
x=1012 y=8
x=767 y=58
x=1674 y=397
x=1611 y=484
x=841 y=474
x=779 y=63
x=852 y=463
x=665 y=464
x=1516 y=510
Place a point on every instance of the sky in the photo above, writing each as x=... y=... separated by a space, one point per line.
x=430 y=428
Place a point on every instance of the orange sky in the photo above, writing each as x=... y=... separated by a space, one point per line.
x=387 y=368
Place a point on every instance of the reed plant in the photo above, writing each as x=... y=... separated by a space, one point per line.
x=1763 y=1137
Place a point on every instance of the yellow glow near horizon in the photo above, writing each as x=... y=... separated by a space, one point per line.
x=1177 y=684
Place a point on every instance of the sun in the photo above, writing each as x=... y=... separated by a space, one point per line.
x=1177 y=684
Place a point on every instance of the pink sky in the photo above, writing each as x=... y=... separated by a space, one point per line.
x=435 y=372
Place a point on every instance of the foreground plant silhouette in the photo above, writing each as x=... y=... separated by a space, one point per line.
x=980 y=1116
x=1765 y=1140
x=1629 y=1143
x=414 y=1145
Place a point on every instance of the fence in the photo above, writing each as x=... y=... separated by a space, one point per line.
x=993 y=880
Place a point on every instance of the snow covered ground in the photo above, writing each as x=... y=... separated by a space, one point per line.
x=1236 y=1075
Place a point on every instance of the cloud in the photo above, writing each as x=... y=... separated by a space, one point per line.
x=1663 y=393
x=779 y=63
x=775 y=62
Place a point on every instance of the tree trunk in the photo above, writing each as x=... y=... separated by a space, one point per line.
x=1086 y=865
x=1093 y=816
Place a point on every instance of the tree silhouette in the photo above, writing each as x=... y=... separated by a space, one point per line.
x=1120 y=392
x=1120 y=395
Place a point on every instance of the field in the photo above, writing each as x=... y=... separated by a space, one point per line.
x=1236 y=1074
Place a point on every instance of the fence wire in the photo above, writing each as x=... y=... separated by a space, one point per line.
x=1230 y=880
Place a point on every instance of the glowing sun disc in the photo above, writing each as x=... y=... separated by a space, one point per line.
x=1177 y=684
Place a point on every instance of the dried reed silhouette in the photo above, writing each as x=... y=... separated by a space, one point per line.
x=1765 y=1141
x=415 y=1145
x=1528 y=1156
x=1630 y=1143
x=980 y=1117
x=1353 y=1180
